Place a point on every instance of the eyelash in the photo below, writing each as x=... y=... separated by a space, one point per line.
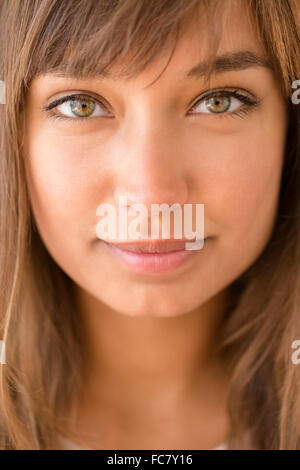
x=250 y=103
x=225 y=92
x=63 y=99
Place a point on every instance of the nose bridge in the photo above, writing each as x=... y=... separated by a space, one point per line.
x=152 y=167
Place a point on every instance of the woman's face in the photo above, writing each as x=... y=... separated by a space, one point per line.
x=152 y=146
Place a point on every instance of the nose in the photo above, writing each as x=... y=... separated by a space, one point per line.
x=151 y=166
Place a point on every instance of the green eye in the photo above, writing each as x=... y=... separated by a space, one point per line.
x=82 y=107
x=76 y=107
x=218 y=104
x=224 y=102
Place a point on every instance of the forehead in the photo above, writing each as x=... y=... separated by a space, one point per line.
x=232 y=30
x=238 y=48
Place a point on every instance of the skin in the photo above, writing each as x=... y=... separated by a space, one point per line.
x=153 y=379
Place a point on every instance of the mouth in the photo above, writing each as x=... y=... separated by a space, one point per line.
x=154 y=246
x=155 y=257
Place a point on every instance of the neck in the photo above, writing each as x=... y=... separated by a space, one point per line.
x=132 y=359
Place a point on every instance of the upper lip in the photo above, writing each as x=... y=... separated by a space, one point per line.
x=155 y=246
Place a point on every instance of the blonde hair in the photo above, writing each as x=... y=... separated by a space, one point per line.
x=38 y=320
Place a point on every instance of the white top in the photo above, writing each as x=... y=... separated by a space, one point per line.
x=68 y=444
x=71 y=445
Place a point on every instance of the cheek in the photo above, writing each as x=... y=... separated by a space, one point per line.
x=64 y=192
x=241 y=189
x=250 y=195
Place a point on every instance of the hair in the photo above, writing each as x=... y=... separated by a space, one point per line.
x=38 y=320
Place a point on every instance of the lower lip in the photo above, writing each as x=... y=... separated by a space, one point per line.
x=154 y=263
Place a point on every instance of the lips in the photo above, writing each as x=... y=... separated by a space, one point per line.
x=154 y=246
x=154 y=257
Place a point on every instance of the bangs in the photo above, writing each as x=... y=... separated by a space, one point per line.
x=86 y=39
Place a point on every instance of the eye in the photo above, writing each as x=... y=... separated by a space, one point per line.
x=76 y=106
x=224 y=102
x=219 y=104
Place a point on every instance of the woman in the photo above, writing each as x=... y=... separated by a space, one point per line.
x=143 y=346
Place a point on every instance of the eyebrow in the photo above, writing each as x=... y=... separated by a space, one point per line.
x=231 y=61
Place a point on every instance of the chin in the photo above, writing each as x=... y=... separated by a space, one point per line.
x=158 y=307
